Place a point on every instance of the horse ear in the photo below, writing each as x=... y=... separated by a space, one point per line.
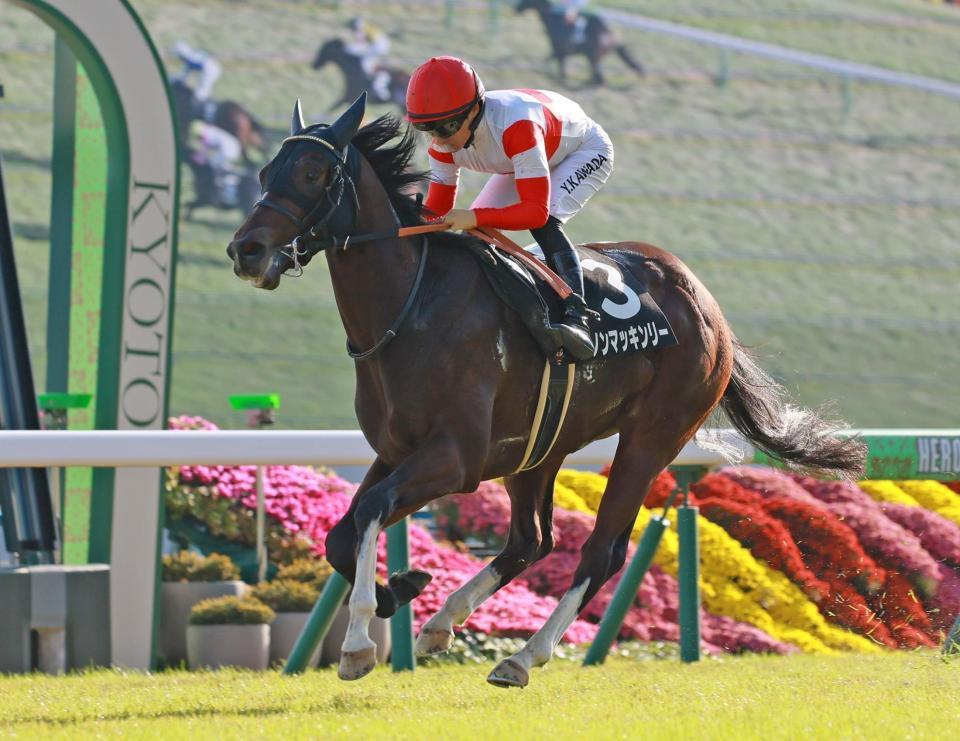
x=346 y=126
x=297 y=123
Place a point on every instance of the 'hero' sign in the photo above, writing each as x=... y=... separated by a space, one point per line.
x=923 y=455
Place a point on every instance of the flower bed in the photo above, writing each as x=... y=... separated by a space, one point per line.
x=788 y=563
x=303 y=504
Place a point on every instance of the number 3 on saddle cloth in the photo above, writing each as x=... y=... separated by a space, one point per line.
x=629 y=321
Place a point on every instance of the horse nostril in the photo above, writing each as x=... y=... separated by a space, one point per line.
x=249 y=249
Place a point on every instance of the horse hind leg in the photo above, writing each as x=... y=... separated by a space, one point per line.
x=635 y=466
x=529 y=540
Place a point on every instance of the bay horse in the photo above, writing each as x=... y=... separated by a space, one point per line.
x=226 y=114
x=356 y=80
x=447 y=378
x=598 y=39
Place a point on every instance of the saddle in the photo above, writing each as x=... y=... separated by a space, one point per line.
x=626 y=319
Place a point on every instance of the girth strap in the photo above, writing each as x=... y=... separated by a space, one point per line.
x=556 y=387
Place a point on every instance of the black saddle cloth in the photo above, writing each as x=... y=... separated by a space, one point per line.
x=629 y=319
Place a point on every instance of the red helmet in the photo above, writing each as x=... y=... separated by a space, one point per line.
x=441 y=88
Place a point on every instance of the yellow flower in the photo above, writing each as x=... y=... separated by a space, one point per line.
x=588 y=485
x=732 y=581
x=567 y=498
x=887 y=491
x=934 y=496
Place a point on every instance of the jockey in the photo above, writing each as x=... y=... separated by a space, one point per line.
x=545 y=155
x=211 y=146
x=370 y=45
x=195 y=60
x=574 y=19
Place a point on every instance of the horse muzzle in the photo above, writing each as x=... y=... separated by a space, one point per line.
x=252 y=261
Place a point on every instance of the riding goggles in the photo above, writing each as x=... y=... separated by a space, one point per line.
x=442 y=129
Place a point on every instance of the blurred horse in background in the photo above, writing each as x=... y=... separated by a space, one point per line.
x=356 y=80
x=595 y=42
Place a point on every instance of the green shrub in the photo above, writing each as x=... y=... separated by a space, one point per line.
x=190 y=566
x=231 y=610
x=287 y=595
x=312 y=571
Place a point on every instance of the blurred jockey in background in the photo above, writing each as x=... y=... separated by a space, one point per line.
x=210 y=146
x=206 y=68
x=574 y=19
x=370 y=45
x=545 y=156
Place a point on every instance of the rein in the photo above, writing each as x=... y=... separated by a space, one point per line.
x=308 y=243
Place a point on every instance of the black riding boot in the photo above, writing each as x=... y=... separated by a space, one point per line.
x=574 y=329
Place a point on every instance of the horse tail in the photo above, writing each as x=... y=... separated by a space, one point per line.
x=760 y=409
x=629 y=59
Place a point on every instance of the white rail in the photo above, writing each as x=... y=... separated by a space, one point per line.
x=842 y=67
x=133 y=448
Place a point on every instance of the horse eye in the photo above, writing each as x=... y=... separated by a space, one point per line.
x=312 y=176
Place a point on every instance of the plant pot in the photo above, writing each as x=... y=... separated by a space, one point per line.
x=284 y=631
x=379 y=634
x=214 y=646
x=176 y=599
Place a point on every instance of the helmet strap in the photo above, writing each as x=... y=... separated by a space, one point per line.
x=474 y=124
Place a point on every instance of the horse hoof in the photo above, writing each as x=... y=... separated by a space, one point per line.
x=431 y=642
x=357 y=664
x=509 y=673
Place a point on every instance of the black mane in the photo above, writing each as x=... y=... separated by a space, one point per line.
x=391 y=164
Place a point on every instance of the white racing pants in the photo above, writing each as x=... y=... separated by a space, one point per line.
x=573 y=181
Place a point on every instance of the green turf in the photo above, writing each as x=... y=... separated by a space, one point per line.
x=849 y=697
x=825 y=224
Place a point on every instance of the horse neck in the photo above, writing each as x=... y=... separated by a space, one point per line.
x=371 y=280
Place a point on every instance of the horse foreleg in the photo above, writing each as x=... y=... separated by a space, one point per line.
x=432 y=472
x=359 y=653
x=529 y=540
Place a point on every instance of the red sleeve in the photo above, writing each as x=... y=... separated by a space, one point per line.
x=530 y=213
x=521 y=136
x=440 y=199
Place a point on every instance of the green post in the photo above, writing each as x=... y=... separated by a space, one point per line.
x=493 y=9
x=723 y=71
x=951 y=646
x=261 y=411
x=318 y=623
x=847 y=97
x=401 y=624
x=53 y=408
x=448 y=15
x=689 y=582
x=626 y=590
x=61 y=215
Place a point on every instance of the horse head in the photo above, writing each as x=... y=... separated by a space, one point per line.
x=329 y=51
x=307 y=197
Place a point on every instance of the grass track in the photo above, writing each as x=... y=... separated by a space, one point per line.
x=876 y=697
x=829 y=236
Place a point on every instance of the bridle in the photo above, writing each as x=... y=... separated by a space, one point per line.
x=308 y=241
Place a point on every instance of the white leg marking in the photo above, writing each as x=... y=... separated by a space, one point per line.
x=461 y=604
x=539 y=649
x=363 y=600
